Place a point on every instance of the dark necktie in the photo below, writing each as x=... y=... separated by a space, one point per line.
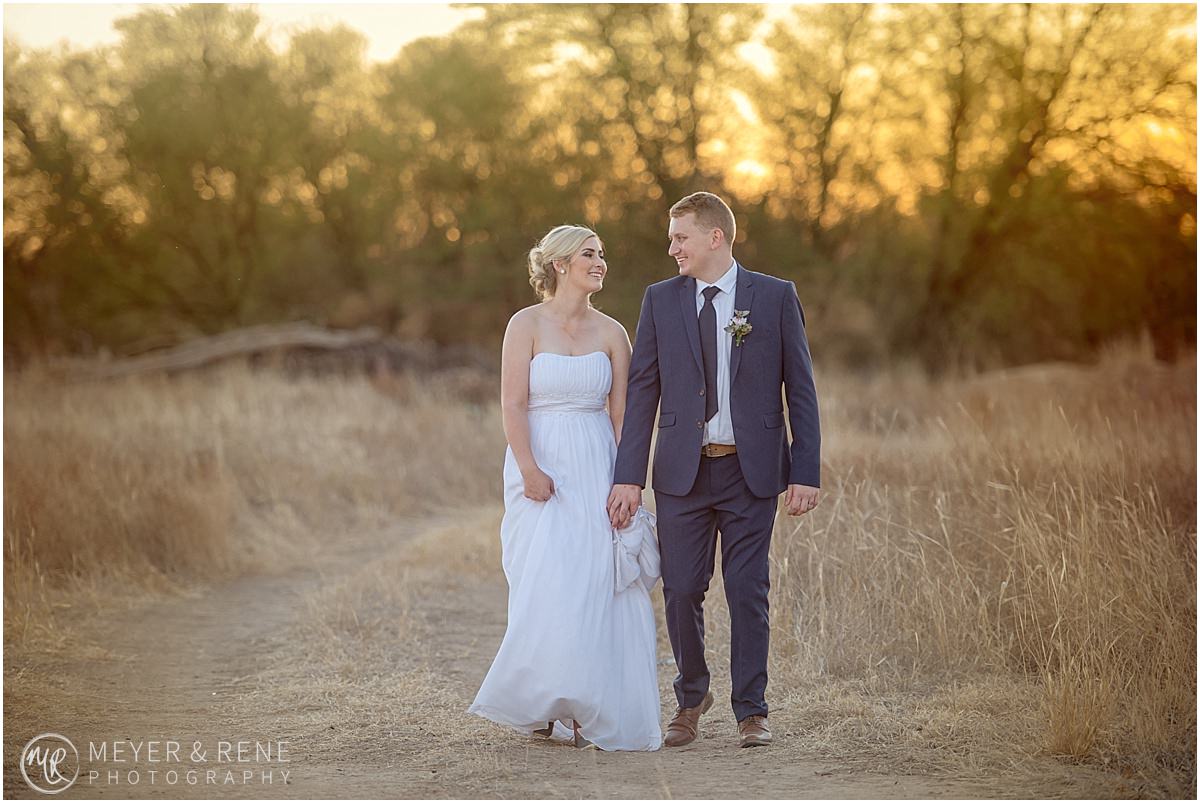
x=708 y=348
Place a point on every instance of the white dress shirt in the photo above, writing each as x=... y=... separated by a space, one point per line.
x=720 y=428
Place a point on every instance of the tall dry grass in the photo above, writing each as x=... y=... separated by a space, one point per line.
x=157 y=482
x=1032 y=531
x=1039 y=523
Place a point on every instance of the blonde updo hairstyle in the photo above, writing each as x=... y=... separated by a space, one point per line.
x=562 y=242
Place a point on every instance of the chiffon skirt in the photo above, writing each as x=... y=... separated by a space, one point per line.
x=574 y=649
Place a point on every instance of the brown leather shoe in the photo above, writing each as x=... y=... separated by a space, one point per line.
x=682 y=728
x=754 y=731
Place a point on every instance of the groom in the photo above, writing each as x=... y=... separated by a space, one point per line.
x=720 y=347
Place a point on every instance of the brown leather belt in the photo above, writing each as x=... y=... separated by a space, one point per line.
x=718 y=449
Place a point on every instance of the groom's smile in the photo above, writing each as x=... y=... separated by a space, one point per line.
x=687 y=247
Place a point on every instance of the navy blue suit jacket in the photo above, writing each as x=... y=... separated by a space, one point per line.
x=772 y=364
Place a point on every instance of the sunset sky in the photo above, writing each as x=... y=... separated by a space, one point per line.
x=387 y=27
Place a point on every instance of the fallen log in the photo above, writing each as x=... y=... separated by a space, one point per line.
x=237 y=343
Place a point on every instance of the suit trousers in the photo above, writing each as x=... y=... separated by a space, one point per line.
x=688 y=525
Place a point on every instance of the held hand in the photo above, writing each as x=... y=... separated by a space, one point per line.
x=800 y=499
x=623 y=502
x=538 y=485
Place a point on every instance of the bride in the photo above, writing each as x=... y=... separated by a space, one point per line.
x=578 y=658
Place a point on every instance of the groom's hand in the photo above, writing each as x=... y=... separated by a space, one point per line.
x=623 y=502
x=800 y=499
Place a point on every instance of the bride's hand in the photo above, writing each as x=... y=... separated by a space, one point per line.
x=538 y=485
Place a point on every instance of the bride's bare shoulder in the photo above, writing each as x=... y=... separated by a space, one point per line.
x=525 y=318
x=612 y=333
x=613 y=330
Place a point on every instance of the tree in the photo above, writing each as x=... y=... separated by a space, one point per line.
x=66 y=212
x=1027 y=84
x=206 y=134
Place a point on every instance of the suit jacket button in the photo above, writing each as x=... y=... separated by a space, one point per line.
x=701 y=391
x=699 y=425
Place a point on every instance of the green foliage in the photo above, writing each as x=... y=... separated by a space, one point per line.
x=962 y=184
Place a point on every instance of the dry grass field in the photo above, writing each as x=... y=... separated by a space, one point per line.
x=996 y=597
x=158 y=483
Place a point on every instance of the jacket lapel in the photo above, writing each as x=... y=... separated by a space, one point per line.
x=691 y=323
x=743 y=299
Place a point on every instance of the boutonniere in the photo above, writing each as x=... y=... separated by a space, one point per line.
x=739 y=326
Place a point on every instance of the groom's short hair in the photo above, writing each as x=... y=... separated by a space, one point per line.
x=711 y=213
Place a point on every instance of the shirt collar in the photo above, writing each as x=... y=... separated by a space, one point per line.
x=725 y=284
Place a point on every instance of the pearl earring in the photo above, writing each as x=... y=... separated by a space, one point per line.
x=562 y=271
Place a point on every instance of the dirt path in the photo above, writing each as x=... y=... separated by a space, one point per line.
x=227 y=665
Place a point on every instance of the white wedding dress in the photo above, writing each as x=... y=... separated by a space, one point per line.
x=575 y=649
